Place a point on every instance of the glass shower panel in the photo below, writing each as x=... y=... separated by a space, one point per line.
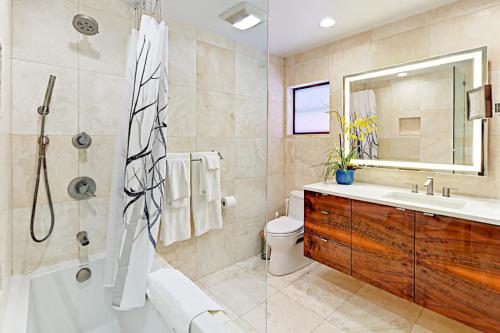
x=459 y=116
x=462 y=127
x=218 y=101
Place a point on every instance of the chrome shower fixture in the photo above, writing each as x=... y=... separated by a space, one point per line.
x=43 y=142
x=85 y=24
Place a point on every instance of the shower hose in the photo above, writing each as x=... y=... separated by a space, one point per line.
x=43 y=142
x=42 y=163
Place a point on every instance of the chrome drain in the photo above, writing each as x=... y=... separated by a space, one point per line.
x=83 y=274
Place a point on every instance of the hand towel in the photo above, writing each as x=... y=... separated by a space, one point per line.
x=206 y=194
x=210 y=175
x=178 y=299
x=176 y=217
x=213 y=161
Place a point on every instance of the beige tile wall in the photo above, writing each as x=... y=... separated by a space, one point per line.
x=87 y=97
x=462 y=25
x=427 y=97
x=5 y=160
x=218 y=102
x=276 y=138
x=218 y=92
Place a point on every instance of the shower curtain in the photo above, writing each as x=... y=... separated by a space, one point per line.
x=139 y=168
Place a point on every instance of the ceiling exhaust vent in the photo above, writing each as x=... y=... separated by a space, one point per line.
x=244 y=16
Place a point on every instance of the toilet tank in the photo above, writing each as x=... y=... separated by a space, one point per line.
x=296 y=205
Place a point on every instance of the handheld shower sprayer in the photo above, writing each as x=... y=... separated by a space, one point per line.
x=44 y=109
x=43 y=142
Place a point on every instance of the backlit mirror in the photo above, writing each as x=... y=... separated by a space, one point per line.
x=421 y=112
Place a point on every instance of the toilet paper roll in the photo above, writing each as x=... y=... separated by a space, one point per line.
x=228 y=202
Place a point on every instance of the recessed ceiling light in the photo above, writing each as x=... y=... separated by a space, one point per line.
x=327 y=22
x=402 y=74
x=243 y=16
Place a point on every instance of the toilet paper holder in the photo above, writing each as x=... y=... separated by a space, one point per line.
x=229 y=201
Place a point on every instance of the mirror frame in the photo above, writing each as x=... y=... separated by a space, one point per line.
x=479 y=134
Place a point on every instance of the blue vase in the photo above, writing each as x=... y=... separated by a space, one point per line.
x=344 y=177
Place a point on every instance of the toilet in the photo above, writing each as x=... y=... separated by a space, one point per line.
x=285 y=238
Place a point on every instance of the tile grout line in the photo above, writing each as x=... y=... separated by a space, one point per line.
x=418 y=317
x=316 y=327
x=78 y=117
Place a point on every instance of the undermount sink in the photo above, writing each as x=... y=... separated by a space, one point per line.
x=424 y=199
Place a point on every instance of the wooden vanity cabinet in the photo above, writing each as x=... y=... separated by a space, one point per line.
x=458 y=269
x=327 y=230
x=445 y=264
x=383 y=240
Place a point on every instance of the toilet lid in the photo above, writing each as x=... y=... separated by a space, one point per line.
x=284 y=225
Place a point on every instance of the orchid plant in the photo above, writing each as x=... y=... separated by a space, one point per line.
x=356 y=132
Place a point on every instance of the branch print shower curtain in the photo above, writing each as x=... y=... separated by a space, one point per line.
x=140 y=167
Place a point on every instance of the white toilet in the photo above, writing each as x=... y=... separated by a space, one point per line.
x=285 y=238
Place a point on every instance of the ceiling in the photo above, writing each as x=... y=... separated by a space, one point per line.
x=205 y=14
x=294 y=24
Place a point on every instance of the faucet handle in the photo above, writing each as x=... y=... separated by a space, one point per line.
x=447 y=191
x=414 y=187
x=82 y=238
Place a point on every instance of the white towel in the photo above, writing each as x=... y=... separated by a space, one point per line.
x=178 y=299
x=210 y=176
x=206 y=193
x=176 y=217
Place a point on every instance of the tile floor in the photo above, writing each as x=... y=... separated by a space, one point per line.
x=316 y=299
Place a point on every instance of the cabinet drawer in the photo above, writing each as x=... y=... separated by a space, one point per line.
x=328 y=252
x=329 y=203
x=332 y=226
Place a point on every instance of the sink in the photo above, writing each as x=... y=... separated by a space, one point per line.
x=424 y=199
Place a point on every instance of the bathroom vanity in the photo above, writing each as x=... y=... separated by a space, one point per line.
x=441 y=253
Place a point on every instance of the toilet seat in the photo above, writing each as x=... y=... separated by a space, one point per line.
x=284 y=226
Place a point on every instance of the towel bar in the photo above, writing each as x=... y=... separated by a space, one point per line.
x=199 y=159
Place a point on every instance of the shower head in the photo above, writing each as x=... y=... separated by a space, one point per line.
x=85 y=24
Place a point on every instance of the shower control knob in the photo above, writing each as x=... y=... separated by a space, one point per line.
x=82 y=188
x=83 y=238
x=82 y=140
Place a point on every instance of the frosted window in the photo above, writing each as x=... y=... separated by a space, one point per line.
x=312 y=109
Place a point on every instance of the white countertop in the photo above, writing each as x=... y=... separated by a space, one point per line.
x=475 y=209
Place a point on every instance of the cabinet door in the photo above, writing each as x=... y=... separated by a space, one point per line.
x=383 y=247
x=327 y=252
x=458 y=270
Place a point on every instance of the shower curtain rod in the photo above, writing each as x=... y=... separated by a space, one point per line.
x=147 y=7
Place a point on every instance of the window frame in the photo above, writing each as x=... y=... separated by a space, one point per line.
x=294 y=89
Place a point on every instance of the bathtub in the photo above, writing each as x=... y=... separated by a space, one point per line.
x=50 y=300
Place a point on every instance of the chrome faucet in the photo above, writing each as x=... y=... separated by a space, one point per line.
x=429 y=184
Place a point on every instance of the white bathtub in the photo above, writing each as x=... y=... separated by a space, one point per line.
x=50 y=300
